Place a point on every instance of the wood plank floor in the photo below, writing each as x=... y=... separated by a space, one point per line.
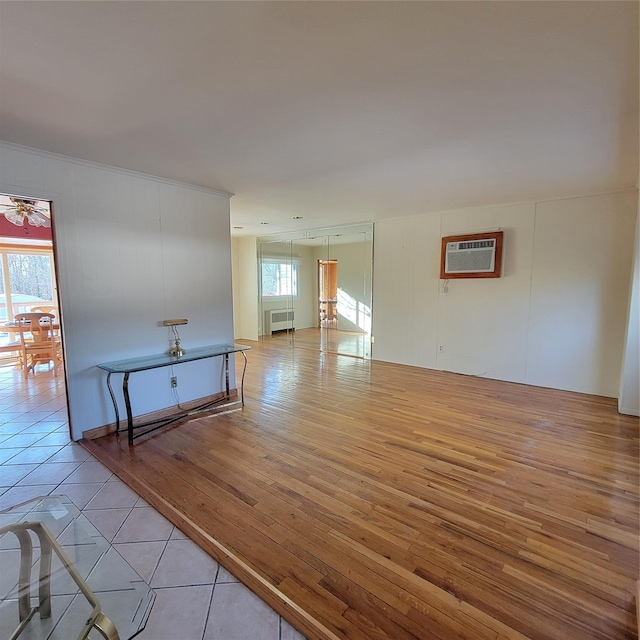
x=333 y=340
x=369 y=500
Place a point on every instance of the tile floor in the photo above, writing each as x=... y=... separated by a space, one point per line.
x=196 y=599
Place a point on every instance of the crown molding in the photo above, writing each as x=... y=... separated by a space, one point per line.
x=107 y=167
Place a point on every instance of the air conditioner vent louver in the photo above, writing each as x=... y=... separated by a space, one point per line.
x=479 y=244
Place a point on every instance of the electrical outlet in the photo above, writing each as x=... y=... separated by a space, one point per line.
x=441 y=348
x=174 y=382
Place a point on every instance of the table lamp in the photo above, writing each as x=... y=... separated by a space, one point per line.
x=176 y=350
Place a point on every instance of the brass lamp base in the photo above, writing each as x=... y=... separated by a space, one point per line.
x=177 y=351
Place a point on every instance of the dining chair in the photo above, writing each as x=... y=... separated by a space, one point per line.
x=47 y=308
x=12 y=347
x=38 y=342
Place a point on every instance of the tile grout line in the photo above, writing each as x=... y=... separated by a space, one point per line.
x=164 y=548
x=208 y=615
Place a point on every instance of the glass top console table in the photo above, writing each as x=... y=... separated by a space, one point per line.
x=145 y=363
x=52 y=557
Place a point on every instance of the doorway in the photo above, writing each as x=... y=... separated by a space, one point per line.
x=28 y=283
x=328 y=294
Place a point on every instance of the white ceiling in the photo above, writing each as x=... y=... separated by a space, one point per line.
x=335 y=111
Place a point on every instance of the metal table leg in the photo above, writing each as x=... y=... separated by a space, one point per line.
x=127 y=403
x=226 y=375
x=24 y=581
x=106 y=628
x=115 y=404
x=244 y=368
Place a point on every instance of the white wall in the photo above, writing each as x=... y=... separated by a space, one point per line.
x=245 y=288
x=305 y=305
x=556 y=318
x=131 y=250
x=629 y=398
x=406 y=265
x=583 y=251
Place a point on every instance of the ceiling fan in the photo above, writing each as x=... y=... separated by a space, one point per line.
x=20 y=210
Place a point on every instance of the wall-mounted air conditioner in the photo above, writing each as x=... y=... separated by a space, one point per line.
x=477 y=255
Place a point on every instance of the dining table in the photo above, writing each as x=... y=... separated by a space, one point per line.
x=25 y=328
x=15 y=327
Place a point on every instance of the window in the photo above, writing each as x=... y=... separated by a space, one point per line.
x=26 y=279
x=279 y=279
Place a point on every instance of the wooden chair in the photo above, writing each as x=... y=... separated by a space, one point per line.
x=38 y=343
x=12 y=347
x=47 y=308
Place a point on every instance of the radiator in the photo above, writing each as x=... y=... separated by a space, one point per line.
x=279 y=319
